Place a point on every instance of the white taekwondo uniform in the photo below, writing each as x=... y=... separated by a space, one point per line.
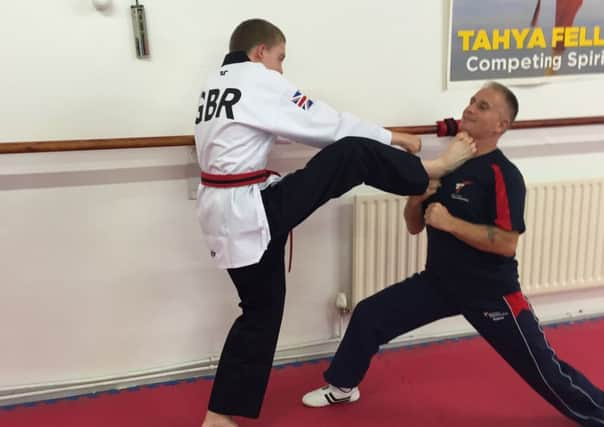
x=244 y=108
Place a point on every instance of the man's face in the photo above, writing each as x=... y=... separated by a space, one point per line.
x=486 y=116
x=273 y=57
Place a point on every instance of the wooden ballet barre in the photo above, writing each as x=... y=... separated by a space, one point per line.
x=519 y=124
x=184 y=140
x=95 y=144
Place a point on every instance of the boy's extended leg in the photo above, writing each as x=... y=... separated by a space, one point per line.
x=335 y=170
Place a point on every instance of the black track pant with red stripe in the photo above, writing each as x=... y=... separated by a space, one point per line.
x=507 y=323
x=248 y=352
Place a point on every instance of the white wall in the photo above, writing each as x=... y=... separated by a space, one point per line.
x=103 y=270
x=69 y=71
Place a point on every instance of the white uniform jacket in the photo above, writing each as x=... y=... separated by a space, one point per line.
x=242 y=110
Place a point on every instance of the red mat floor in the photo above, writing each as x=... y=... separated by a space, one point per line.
x=452 y=383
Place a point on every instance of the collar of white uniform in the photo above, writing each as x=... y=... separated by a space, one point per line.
x=235 y=58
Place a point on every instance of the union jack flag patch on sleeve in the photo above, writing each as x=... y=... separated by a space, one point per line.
x=302 y=100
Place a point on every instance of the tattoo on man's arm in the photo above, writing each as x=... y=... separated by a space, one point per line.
x=491 y=231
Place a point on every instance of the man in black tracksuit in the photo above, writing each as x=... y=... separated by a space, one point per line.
x=473 y=222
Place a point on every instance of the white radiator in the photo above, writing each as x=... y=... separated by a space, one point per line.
x=562 y=248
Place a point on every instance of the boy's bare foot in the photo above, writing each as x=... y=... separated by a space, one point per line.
x=459 y=151
x=218 y=420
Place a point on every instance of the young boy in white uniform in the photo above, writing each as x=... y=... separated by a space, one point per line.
x=246 y=212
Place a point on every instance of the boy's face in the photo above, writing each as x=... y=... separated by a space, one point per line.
x=271 y=57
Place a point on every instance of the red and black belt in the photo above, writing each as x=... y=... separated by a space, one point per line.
x=235 y=180
x=242 y=180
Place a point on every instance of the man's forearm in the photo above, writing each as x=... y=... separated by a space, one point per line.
x=488 y=238
x=414 y=215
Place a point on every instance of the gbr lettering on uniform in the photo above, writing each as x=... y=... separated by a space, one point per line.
x=217 y=102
